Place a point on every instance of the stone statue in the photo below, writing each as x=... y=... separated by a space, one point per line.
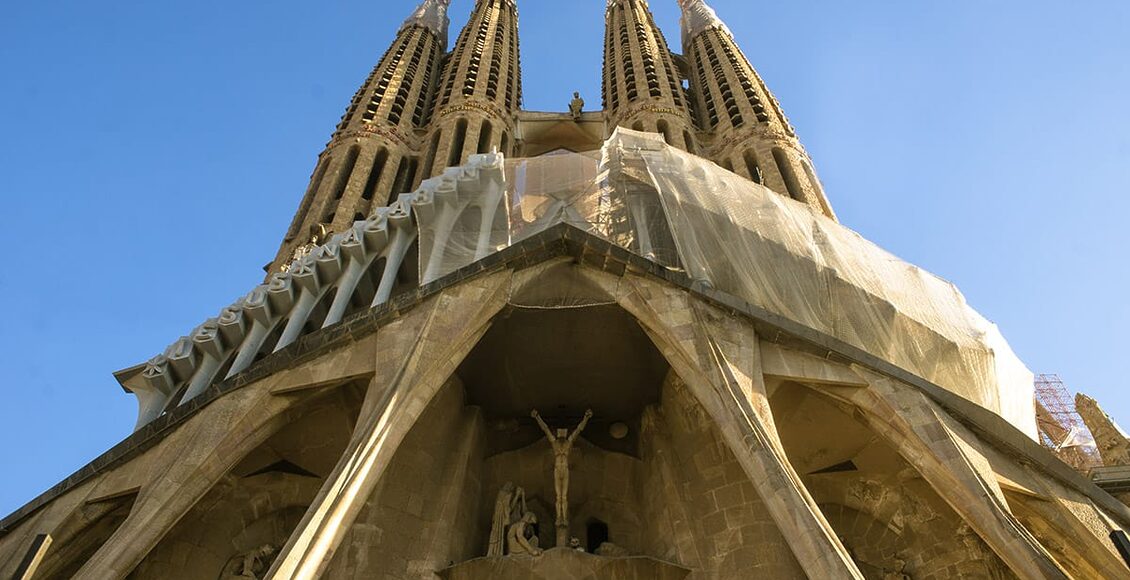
x=577 y=106
x=610 y=550
x=575 y=544
x=253 y=564
x=510 y=503
x=521 y=540
x=1112 y=444
x=562 y=442
x=898 y=573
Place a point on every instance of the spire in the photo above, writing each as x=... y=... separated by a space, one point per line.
x=749 y=131
x=476 y=105
x=372 y=157
x=642 y=83
x=699 y=17
x=432 y=15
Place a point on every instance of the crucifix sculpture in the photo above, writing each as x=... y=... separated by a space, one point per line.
x=562 y=442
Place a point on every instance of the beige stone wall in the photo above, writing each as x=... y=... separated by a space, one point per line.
x=418 y=519
x=925 y=494
x=712 y=518
x=259 y=503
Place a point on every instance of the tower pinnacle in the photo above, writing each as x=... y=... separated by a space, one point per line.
x=432 y=15
x=698 y=16
x=748 y=132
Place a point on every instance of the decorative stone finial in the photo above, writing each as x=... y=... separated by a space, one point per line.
x=431 y=14
x=699 y=17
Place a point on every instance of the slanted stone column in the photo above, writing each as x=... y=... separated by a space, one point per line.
x=1112 y=443
x=195 y=457
x=398 y=394
x=719 y=358
x=923 y=434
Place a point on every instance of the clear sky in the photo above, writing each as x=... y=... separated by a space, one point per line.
x=153 y=153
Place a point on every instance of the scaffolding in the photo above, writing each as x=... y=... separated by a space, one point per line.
x=1062 y=430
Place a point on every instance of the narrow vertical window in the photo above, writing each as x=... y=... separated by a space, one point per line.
x=504 y=148
x=689 y=139
x=308 y=200
x=664 y=129
x=398 y=181
x=786 y=168
x=752 y=166
x=455 y=156
x=430 y=160
x=375 y=175
x=346 y=171
x=486 y=135
x=405 y=175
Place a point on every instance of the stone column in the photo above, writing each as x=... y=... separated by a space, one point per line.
x=718 y=357
x=399 y=393
x=923 y=434
x=196 y=457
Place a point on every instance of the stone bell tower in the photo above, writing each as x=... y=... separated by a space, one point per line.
x=749 y=132
x=480 y=91
x=501 y=344
x=374 y=153
x=642 y=86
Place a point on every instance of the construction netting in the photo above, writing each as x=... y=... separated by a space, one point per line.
x=738 y=237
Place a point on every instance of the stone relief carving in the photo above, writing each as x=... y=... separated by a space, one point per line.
x=253 y=564
x=508 y=506
x=610 y=550
x=562 y=442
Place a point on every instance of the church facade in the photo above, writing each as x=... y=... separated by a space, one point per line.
x=624 y=344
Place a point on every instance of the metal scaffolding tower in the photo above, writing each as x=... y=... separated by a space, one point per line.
x=1062 y=430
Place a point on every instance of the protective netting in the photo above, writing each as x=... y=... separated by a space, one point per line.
x=687 y=213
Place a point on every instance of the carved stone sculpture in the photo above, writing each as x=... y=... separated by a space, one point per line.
x=577 y=106
x=253 y=564
x=510 y=503
x=610 y=550
x=562 y=442
x=521 y=540
x=1113 y=445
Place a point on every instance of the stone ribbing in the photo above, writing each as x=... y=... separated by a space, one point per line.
x=749 y=132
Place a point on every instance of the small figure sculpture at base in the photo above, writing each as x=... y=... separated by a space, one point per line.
x=610 y=550
x=575 y=544
x=253 y=564
x=521 y=540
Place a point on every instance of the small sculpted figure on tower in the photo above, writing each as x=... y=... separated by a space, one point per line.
x=577 y=106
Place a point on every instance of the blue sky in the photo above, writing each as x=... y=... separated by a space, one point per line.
x=152 y=153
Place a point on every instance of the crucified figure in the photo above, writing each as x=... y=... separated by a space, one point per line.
x=562 y=442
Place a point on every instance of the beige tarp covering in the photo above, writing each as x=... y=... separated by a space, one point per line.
x=741 y=238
